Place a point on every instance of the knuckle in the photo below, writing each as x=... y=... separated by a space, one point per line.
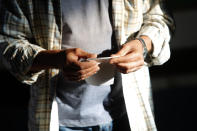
x=79 y=78
x=81 y=73
x=128 y=71
x=141 y=57
x=96 y=68
x=80 y=67
x=141 y=62
x=77 y=50
x=125 y=46
x=126 y=67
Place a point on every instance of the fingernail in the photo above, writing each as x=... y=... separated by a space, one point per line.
x=98 y=68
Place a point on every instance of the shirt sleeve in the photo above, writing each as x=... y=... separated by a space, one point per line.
x=157 y=24
x=16 y=42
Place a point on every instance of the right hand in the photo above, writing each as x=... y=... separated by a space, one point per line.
x=73 y=69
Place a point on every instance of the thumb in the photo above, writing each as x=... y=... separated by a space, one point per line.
x=83 y=54
x=123 y=51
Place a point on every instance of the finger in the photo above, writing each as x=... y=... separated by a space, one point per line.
x=126 y=67
x=127 y=58
x=74 y=56
x=82 y=74
x=90 y=73
x=129 y=70
x=78 y=65
x=86 y=65
x=123 y=51
x=88 y=70
x=72 y=60
x=82 y=77
x=130 y=64
x=134 y=69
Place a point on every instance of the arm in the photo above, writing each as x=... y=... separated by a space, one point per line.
x=158 y=25
x=156 y=34
x=68 y=61
x=48 y=59
x=17 y=49
x=24 y=58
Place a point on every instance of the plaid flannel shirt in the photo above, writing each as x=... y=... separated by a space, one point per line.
x=30 y=26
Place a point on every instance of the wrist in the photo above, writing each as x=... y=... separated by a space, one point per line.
x=146 y=44
x=49 y=59
x=145 y=50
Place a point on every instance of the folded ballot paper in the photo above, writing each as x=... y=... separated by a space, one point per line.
x=105 y=76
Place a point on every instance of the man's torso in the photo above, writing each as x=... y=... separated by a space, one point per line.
x=87 y=25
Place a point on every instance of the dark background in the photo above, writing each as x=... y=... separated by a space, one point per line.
x=174 y=83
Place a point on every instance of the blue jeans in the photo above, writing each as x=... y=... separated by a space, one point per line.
x=121 y=124
x=106 y=127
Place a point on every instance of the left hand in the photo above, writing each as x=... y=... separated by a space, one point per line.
x=131 y=57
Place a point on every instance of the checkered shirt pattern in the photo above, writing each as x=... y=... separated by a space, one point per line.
x=30 y=26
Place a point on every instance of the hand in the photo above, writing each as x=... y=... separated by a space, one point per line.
x=131 y=57
x=74 y=70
